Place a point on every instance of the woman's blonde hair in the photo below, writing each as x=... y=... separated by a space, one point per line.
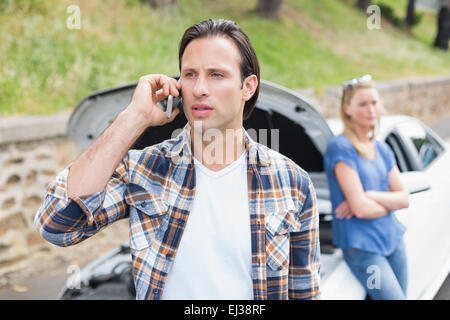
x=349 y=129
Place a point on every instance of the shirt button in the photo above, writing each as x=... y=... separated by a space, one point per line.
x=155 y=291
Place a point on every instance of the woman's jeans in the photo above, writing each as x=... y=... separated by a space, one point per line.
x=384 y=278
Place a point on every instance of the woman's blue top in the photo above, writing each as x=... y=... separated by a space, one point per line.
x=380 y=235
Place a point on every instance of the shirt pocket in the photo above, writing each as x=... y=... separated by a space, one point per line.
x=148 y=219
x=278 y=227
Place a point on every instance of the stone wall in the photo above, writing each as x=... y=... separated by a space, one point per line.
x=425 y=98
x=33 y=149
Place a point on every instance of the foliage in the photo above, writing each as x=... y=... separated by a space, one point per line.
x=389 y=14
x=46 y=67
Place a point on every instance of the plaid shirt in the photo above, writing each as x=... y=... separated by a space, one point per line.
x=155 y=188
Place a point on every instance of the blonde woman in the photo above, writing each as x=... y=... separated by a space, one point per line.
x=365 y=189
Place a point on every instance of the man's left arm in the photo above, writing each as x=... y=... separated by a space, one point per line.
x=304 y=264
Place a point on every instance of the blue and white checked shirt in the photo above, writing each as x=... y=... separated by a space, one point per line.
x=155 y=188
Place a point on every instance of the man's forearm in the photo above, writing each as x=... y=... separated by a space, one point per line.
x=93 y=169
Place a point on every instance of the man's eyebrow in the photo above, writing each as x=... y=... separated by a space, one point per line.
x=217 y=69
x=212 y=69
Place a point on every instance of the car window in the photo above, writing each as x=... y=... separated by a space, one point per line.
x=426 y=146
x=401 y=158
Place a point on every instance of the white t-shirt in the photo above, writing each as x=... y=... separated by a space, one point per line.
x=214 y=258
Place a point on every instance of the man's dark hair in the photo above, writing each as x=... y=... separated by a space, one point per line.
x=226 y=28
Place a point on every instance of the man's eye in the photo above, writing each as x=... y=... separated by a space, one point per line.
x=189 y=74
x=217 y=75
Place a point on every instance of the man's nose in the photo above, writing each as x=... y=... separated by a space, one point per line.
x=201 y=87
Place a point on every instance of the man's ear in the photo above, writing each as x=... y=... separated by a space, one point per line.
x=249 y=86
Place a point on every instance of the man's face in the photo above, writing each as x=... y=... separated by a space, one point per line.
x=211 y=84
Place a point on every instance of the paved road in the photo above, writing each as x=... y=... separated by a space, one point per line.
x=442 y=127
x=444 y=292
x=44 y=287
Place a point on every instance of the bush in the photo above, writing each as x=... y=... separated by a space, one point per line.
x=29 y=6
x=388 y=13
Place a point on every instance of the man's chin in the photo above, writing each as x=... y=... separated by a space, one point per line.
x=201 y=125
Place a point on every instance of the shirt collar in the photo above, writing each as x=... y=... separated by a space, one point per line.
x=179 y=148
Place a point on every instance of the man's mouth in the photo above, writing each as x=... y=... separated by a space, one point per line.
x=201 y=110
x=201 y=107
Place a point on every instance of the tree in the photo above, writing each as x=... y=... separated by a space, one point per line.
x=269 y=8
x=362 y=4
x=157 y=3
x=410 y=14
x=443 y=21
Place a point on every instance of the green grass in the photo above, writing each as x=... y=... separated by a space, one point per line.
x=45 y=67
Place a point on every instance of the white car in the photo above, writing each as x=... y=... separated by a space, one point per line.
x=303 y=135
x=424 y=160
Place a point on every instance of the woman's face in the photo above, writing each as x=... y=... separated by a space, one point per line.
x=364 y=108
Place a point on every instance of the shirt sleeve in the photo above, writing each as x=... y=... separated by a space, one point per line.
x=304 y=267
x=338 y=151
x=66 y=221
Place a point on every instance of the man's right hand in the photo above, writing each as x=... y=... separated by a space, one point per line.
x=93 y=169
x=151 y=89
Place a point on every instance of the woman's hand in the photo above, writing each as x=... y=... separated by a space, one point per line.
x=343 y=211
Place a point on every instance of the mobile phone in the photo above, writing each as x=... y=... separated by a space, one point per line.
x=173 y=101
x=168 y=104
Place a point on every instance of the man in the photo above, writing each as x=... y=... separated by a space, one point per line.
x=213 y=215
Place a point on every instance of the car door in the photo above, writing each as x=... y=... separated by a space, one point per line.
x=422 y=155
